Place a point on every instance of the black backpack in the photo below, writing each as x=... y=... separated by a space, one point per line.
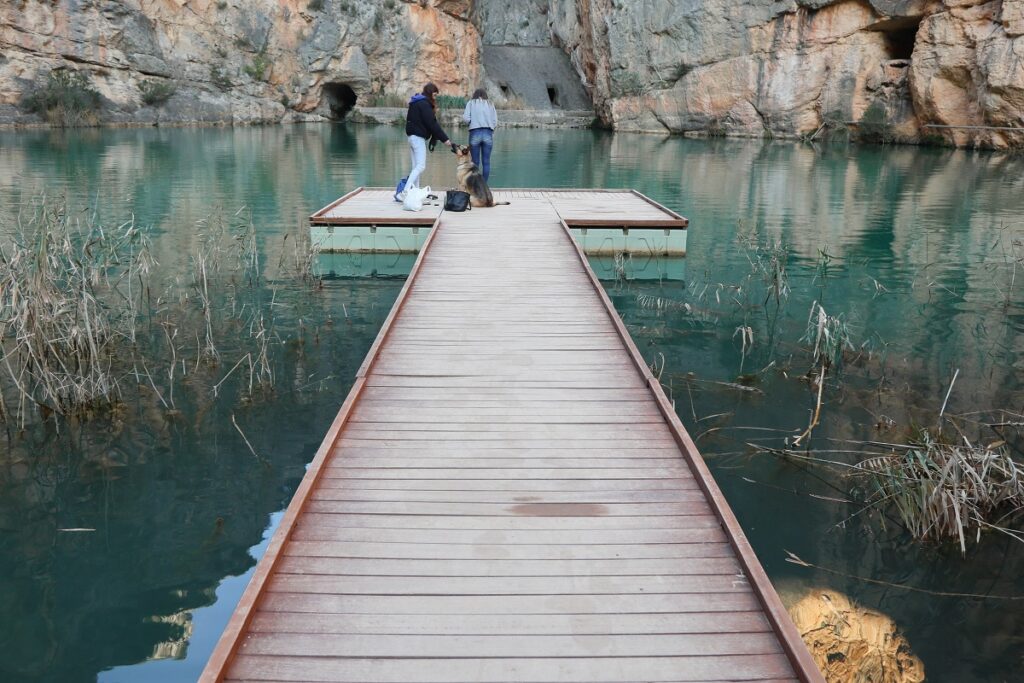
x=457 y=201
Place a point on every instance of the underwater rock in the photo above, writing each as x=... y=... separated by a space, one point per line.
x=853 y=644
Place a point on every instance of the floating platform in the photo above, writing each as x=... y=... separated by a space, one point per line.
x=604 y=222
x=631 y=267
x=508 y=495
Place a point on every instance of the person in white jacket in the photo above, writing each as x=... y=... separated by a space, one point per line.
x=482 y=120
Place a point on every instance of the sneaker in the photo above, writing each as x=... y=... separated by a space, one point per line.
x=400 y=197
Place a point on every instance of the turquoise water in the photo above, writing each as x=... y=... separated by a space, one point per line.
x=920 y=249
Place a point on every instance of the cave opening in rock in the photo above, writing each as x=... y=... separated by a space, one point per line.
x=901 y=43
x=900 y=36
x=553 y=95
x=505 y=90
x=340 y=99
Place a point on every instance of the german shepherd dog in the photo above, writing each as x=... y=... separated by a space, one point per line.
x=471 y=180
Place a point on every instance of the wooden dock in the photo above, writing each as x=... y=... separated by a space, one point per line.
x=604 y=222
x=507 y=495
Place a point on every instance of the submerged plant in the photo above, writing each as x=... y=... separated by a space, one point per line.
x=746 y=335
x=1010 y=246
x=948 y=490
x=831 y=336
x=622 y=264
x=661 y=304
x=83 y=318
x=302 y=258
x=769 y=260
x=69 y=298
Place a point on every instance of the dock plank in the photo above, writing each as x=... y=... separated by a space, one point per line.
x=506 y=494
x=513 y=646
x=678 y=534
x=493 y=547
x=500 y=605
x=505 y=585
x=513 y=624
x=495 y=670
x=376 y=567
x=509 y=498
x=567 y=523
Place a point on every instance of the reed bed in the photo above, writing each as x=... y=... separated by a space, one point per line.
x=84 y=317
x=938 y=490
x=939 y=484
x=70 y=294
x=944 y=491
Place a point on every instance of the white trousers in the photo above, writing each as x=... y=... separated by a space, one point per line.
x=418 y=151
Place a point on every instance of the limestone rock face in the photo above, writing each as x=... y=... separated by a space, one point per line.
x=1012 y=17
x=785 y=66
x=520 y=24
x=790 y=65
x=235 y=61
x=968 y=69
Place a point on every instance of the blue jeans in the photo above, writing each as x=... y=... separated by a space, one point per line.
x=481 y=140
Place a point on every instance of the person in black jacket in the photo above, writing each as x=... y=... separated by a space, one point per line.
x=421 y=125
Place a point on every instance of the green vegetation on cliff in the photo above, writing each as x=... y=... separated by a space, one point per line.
x=66 y=99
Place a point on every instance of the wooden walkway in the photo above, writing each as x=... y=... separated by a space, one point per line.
x=506 y=495
x=579 y=208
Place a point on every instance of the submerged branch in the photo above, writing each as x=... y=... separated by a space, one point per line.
x=793 y=559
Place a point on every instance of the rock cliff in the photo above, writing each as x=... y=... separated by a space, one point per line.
x=795 y=67
x=235 y=61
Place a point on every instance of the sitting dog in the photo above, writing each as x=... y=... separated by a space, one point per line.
x=471 y=180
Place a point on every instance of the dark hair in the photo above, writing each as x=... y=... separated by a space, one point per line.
x=479 y=94
x=430 y=91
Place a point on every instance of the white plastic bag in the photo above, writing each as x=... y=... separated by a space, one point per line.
x=414 y=197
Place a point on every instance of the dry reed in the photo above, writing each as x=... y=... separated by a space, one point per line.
x=70 y=293
x=948 y=490
x=75 y=297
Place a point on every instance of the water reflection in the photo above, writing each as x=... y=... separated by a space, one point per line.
x=913 y=261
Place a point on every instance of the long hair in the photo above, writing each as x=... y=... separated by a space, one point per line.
x=430 y=92
x=479 y=94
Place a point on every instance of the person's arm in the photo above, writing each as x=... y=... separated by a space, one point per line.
x=465 y=115
x=435 y=128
